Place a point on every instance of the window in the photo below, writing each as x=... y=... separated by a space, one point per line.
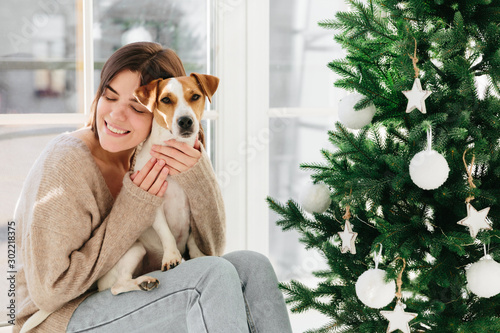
x=302 y=109
x=38 y=58
x=303 y=105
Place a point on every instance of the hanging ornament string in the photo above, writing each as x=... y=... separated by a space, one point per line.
x=469 y=175
x=347 y=216
x=414 y=59
x=378 y=257
x=429 y=138
x=399 y=281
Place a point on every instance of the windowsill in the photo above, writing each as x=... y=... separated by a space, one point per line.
x=7 y=329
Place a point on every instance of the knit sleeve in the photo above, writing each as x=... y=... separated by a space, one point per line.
x=208 y=218
x=69 y=239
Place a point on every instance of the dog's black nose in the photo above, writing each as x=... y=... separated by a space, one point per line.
x=185 y=122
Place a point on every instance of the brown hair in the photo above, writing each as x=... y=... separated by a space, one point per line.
x=150 y=60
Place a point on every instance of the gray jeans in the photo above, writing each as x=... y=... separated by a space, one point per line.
x=234 y=293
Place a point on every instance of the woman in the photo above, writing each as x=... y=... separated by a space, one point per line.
x=81 y=209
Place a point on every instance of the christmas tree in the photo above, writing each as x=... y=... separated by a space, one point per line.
x=413 y=191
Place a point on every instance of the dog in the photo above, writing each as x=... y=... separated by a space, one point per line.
x=177 y=105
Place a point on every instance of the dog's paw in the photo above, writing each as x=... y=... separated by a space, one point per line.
x=147 y=283
x=141 y=283
x=171 y=259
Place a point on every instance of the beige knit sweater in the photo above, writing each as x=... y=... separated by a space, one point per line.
x=71 y=231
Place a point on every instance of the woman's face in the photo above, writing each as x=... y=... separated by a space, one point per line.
x=122 y=122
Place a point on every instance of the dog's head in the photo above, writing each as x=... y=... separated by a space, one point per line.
x=178 y=103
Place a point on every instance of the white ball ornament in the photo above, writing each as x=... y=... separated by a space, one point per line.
x=429 y=169
x=355 y=119
x=316 y=198
x=483 y=277
x=373 y=290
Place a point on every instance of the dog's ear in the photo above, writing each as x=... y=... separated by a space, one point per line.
x=146 y=95
x=208 y=84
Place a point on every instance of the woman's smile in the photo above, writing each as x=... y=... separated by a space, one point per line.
x=113 y=129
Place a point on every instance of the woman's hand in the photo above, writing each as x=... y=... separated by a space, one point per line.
x=178 y=156
x=152 y=177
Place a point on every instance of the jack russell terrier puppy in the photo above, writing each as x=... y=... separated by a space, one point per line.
x=177 y=105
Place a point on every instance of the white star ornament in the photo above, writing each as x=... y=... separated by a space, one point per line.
x=398 y=319
x=476 y=220
x=416 y=97
x=348 y=238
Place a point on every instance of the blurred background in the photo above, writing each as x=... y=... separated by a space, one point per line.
x=42 y=73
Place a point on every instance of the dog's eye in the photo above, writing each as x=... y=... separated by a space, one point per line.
x=195 y=97
x=166 y=100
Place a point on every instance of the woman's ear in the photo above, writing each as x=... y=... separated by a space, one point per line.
x=147 y=94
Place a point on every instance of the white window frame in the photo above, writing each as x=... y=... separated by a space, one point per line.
x=242 y=58
x=242 y=62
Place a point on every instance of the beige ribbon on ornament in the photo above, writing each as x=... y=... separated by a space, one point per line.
x=414 y=59
x=469 y=175
x=347 y=216
x=400 y=278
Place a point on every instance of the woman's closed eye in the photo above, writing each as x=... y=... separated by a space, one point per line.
x=138 y=111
